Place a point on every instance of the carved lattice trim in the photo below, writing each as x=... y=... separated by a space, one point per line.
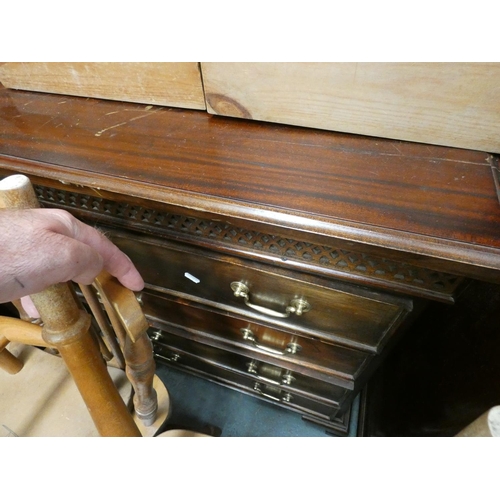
x=338 y=259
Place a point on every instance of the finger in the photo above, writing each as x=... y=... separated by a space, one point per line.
x=113 y=259
x=79 y=262
x=29 y=307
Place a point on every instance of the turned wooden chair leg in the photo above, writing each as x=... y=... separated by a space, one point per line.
x=92 y=300
x=130 y=326
x=140 y=371
x=66 y=328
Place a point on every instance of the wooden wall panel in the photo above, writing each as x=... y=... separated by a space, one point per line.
x=167 y=84
x=451 y=104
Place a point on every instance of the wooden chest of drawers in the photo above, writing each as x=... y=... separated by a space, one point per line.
x=278 y=261
x=313 y=361
x=298 y=339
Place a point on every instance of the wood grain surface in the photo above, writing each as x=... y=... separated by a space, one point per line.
x=169 y=84
x=452 y=104
x=428 y=200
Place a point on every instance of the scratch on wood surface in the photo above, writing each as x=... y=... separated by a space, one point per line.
x=98 y=134
x=96 y=191
x=434 y=160
x=396 y=148
x=47 y=122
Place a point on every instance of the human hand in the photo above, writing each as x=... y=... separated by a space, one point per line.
x=42 y=247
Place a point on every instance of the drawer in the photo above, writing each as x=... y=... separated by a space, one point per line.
x=336 y=312
x=271 y=393
x=309 y=356
x=266 y=373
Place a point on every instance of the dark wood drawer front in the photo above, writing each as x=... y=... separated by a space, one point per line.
x=332 y=363
x=266 y=373
x=344 y=314
x=269 y=392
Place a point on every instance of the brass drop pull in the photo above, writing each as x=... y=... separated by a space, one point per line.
x=285 y=398
x=291 y=348
x=297 y=306
x=172 y=357
x=285 y=379
x=166 y=354
x=156 y=335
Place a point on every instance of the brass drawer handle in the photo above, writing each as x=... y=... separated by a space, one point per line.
x=297 y=306
x=286 y=379
x=173 y=357
x=291 y=348
x=286 y=398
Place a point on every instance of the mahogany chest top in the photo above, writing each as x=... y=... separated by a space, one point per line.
x=430 y=204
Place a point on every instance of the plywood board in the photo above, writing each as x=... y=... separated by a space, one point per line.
x=451 y=104
x=167 y=84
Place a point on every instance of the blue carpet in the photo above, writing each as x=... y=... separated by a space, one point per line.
x=205 y=406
